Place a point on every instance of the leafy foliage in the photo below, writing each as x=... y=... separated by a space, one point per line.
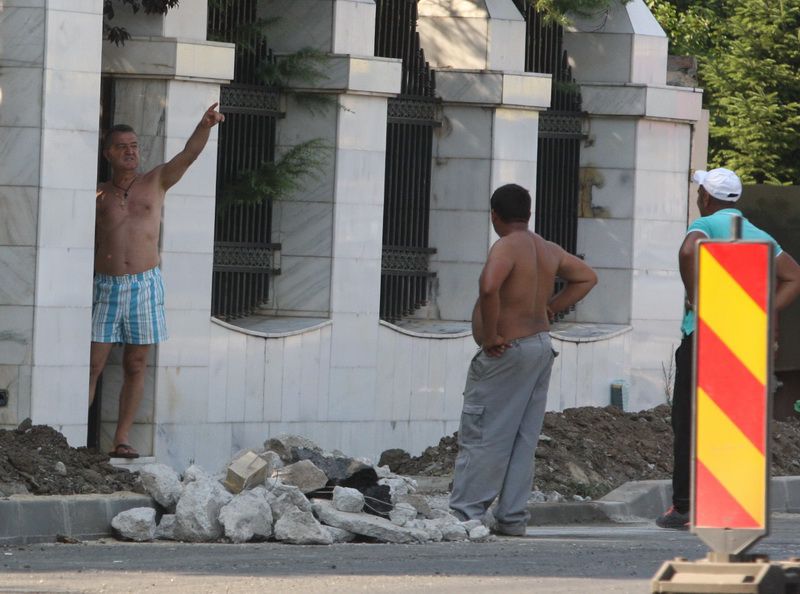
x=748 y=62
x=558 y=10
x=119 y=35
x=276 y=180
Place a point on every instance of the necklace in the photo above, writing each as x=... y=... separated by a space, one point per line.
x=124 y=200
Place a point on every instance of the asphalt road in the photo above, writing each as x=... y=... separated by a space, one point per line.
x=554 y=560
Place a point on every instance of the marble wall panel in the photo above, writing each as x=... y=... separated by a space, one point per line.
x=187 y=281
x=611 y=144
x=273 y=381
x=357 y=231
x=356 y=287
x=444 y=48
x=182 y=394
x=464 y=133
x=23 y=107
x=662 y=195
x=360 y=178
x=554 y=389
x=188 y=343
x=74 y=434
x=649 y=64
x=352 y=393
x=657 y=295
x=292 y=373
x=506 y=44
x=304 y=228
x=311 y=344
x=420 y=385
x=187 y=21
x=18 y=271
x=9 y=381
x=508 y=171
x=323 y=389
x=234 y=393
x=57 y=206
x=62 y=336
x=353 y=27
x=598 y=392
x=22 y=30
x=401 y=380
x=59 y=395
x=607 y=243
x=663 y=146
x=599 y=57
x=353 y=340
x=584 y=380
x=609 y=193
x=255 y=358
x=174 y=445
x=362 y=123
x=648 y=389
x=304 y=122
x=142 y=104
x=455 y=289
x=189 y=223
x=460 y=184
x=18 y=213
x=655 y=341
x=436 y=366
x=71 y=100
x=387 y=342
x=63 y=28
x=656 y=244
x=458 y=235
x=64 y=277
x=69 y=159
x=304 y=285
x=19 y=154
x=569 y=377
x=217 y=372
x=515 y=134
x=609 y=302
x=249 y=436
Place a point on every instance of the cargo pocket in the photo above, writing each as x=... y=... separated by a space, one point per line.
x=471 y=424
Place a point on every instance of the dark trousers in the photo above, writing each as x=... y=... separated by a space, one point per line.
x=682 y=424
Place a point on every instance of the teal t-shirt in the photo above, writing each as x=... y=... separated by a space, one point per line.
x=720 y=226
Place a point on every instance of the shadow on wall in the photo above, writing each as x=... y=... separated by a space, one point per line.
x=776 y=209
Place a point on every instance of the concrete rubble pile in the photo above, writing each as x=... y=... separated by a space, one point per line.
x=292 y=492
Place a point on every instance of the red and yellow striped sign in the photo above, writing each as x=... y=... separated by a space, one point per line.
x=732 y=379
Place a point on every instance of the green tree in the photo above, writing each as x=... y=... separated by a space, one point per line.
x=748 y=55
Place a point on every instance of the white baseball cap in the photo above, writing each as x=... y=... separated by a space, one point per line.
x=721 y=183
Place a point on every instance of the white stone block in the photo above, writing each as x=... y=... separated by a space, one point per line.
x=300 y=527
x=247 y=516
x=162 y=483
x=197 y=512
x=138 y=524
x=63 y=28
x=348 y=500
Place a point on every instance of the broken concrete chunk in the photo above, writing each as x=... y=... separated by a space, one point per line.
x=347 y=499
x=419 y=502
x=137 y=524
x=304 y=475
x=273 y=461
x=470 y=524
x=399 y=486
x=480 y=534
x=245 y=472
x=197 y=512
x=247 y=516
x=195 y=473
x=454 y=532
x=402 y=513
x=339 y=535
x=429 y=527
x=365 y=524
x=162 y=483
x=282 y=445
x=299 y=527
x=60 y=468
x=280 y=496
x=166 y=527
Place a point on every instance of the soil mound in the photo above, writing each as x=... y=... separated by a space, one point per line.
x=36 y=459
x=591 y=451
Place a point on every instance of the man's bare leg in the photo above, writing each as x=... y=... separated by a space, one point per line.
x=134 y=365
x=98 y=356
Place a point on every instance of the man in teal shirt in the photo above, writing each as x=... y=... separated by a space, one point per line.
x=718 y=192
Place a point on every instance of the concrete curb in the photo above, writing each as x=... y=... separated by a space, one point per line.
x=27 y=519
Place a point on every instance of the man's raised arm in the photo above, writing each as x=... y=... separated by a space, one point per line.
x=173 y=170
x=580 y=279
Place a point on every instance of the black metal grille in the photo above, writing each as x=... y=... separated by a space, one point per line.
x=244 y=255
x=412 y=116
x=560 y=132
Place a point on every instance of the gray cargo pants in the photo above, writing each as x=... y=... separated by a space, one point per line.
x=504 y=404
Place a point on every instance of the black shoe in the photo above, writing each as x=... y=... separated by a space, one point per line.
x=672 y=518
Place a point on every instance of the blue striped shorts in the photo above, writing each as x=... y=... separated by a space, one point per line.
x=129 y=308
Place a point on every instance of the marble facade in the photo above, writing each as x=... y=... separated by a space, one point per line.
x=319 y=361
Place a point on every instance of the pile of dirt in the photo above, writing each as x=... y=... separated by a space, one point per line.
x=591 y=451
x=36 y=459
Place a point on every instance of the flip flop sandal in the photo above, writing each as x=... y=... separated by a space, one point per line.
x=123 y=450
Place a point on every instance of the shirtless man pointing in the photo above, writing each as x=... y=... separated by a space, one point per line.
x=506 y=391
x=128 y=302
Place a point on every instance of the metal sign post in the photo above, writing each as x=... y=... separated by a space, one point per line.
x=732 y=410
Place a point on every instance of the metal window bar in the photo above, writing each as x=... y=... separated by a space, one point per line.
x=412 y=117
x=244 y=255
